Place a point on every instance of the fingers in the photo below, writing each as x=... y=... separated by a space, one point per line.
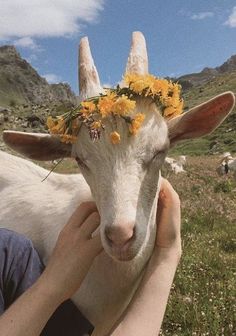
x=96 y=244
x=87 y=229
x=82 y=213
x=168 y=196
x=90 y=224
x=168 y=216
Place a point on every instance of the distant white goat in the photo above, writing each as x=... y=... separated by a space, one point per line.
x=124 y=180
x=227 y=165
x=175 y=165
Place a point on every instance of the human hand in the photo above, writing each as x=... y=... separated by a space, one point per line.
x=74 y=252
x=168 y=217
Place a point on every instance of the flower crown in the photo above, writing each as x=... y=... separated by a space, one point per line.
x=119 y=102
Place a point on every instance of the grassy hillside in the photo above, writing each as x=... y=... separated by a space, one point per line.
x=223 y=138
x=202 y=300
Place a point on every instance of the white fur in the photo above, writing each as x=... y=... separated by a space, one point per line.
x=124 y=181
x=176 y=165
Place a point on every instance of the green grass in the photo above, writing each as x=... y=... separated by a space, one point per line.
x=66 y=166
x=203 y=296
x=202 y=300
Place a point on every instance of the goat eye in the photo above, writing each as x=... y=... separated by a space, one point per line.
x=81 y=163
x=157 y=154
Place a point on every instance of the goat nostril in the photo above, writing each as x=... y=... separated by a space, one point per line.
x=119 y=237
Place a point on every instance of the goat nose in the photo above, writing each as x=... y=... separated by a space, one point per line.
x=119 y=235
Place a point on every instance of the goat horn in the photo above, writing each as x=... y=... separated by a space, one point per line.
x=89 y=83
x=138 y=58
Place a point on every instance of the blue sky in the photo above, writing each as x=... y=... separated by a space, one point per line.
x=183 y=36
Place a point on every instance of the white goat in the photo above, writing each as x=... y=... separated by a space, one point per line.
x=175 y=165
x=230 y=161
x=124 y=180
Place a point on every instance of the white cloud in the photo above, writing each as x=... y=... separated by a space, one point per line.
x=44 y=18
x=27 y=42
x=52 y=78
x=232 y=19
x=202 y=15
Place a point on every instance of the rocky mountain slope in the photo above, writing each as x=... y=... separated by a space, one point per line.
x=200 y=87
x=191 y=80
x=21 y=84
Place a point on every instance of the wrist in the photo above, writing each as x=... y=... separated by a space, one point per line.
x=49 y=290
x=169 y=255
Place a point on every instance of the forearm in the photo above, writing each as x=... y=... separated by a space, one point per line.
x=145 y=313
x=28 y=315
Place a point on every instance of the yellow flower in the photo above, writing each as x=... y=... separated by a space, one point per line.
x=136 y=123
x=88 y=107
x=56 y=126
x=156 y=87
x=115 y=138
x=105 y=104
x=179 y=108
x=163 y=92
x=173 y=110
x=96 y=124
x=50 y=122
x=123 y=105
x=169 y=112
x=131 y=77
x=171 y=101
x=75 y=124
x=60 y=126
x=67 y=138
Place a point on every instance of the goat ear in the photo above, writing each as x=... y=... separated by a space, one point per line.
x=202 y=119
x=37 y=146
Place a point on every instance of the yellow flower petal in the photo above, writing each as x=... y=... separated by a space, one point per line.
x=96 y=124
x=123 y=105
x=105 y=105
x=136 y=123
x=67 y=138
x=50 y=122
x=115 y=138
x=88 y=107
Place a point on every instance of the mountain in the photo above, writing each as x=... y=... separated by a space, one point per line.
x=190 y=80
x=200 y=88
x=21 y=84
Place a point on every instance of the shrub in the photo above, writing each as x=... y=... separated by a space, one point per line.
x=225 y=186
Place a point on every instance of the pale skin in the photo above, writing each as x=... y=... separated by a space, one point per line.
x=74 y=253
